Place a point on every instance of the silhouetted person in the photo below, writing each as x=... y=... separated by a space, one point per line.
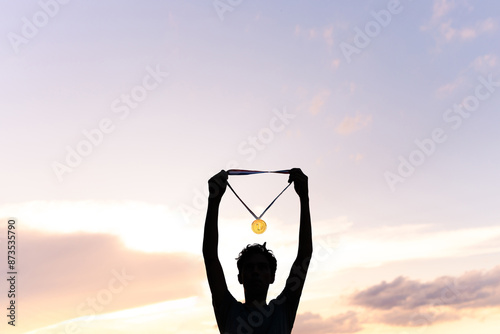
x=257 y=268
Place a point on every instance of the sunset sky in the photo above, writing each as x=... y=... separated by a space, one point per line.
x=116 y=113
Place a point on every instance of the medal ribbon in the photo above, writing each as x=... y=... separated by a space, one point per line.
x=250 y=172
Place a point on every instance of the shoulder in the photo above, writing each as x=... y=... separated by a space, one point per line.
x=226 y=310
x=287 y=300
x=284 y=309
x=225 y=301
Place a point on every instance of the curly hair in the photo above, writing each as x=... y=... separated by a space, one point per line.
x=250 y=250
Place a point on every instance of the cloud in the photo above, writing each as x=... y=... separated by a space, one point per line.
x=172 y=21
x=318 y=102
x=451 y=87
x=308 y=33
x=484 y=65
x=481 y=27
x=298 y=30
x=407 y=302
x=439 y=24
x=324 y=34
x=466 y=33
x=374 y=247
x=312 y=33
x=446 y=29
x=353 y=124
x=65 y=276
x=173 y=315
x=126 y=219
x=328 y=35
x=356 y=157
x=413 y=318
x=311 y=323
x=335 y=63
x=479 y=289
x=441 y=7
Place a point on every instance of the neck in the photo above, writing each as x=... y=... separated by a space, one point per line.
x=255 y=300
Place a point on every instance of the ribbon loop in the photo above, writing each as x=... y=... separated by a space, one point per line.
x=250 y=172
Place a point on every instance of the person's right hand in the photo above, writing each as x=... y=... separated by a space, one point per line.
x=217 y=185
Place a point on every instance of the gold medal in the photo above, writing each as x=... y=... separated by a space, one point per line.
x=259 y=226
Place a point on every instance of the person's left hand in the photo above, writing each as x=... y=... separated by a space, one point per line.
x=300 y=182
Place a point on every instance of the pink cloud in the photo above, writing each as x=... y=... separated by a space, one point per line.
x=323 y=34
x=446 y=29
x=482 y=27
x=441 y=7
x=328 y=36
x=481 y=64
x=65 y=276
x=310 y=323
x=318 y=102
x=353 y=124
x=406 y=302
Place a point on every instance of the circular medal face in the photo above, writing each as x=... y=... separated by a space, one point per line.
x=259 y=226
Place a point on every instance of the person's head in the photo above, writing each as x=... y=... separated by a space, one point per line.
x=256 y=267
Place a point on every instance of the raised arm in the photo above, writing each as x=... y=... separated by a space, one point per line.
x=216 y=280
x=295 y=281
